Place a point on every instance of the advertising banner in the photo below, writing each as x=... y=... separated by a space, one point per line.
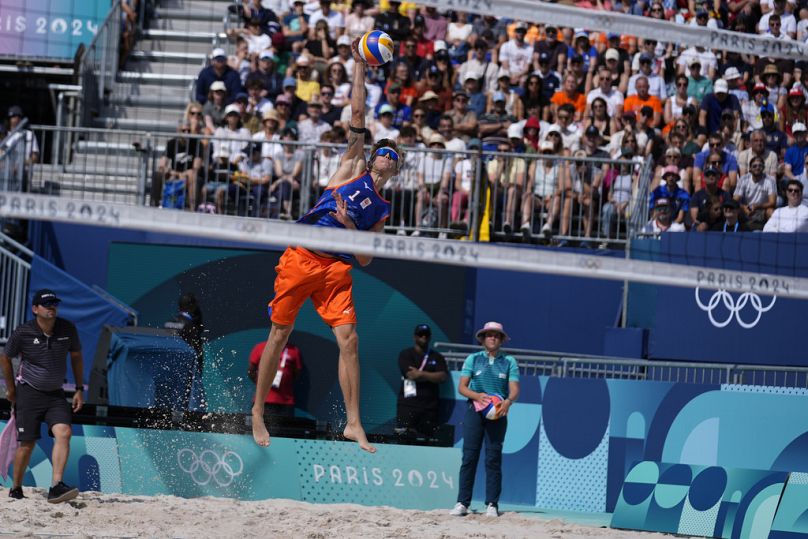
x=49 y=28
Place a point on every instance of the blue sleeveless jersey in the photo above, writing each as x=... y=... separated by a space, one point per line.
x=365 y=206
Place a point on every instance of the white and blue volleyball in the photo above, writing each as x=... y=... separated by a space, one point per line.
x=376 y=47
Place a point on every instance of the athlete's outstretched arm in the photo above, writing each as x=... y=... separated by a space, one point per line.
x=352 y=161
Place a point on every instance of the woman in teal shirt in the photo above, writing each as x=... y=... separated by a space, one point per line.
x=487 y=372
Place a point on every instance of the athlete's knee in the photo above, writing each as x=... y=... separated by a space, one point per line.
x=62 y=431
x=280 y=332
x=347 y=338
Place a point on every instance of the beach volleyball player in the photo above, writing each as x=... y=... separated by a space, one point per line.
x=351 y=200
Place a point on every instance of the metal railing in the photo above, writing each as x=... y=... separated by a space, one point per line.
x=540 y=363
x=15 y=269
x=528 y=197
x=16 y=149
x=98 y=66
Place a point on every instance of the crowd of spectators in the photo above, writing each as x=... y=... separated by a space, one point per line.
x=720 y=127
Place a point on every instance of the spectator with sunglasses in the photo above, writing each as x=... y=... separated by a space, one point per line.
x=757 y=194
x=352 y=202
x=36 y=393
x=794 y=216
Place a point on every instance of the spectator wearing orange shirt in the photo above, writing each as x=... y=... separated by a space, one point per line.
x=281 y=397
x=634 y=103
x=569 y=94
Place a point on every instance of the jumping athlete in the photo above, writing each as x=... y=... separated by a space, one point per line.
x=351 y=200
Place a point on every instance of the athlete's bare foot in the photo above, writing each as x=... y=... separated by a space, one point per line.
x=260 y=433
x=357 y=434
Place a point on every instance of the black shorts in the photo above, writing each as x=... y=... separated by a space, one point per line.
x=34 y=406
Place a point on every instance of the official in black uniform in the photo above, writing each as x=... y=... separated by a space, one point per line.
x=422 y=372
x=43 y=344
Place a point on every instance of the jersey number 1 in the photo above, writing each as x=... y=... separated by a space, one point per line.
x=353 y=196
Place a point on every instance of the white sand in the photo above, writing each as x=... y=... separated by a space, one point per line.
x=111 y=515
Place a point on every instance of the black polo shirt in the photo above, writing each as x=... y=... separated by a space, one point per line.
x=43 y=364
x=427 y=393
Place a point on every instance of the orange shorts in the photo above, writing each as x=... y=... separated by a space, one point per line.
x=327 y=281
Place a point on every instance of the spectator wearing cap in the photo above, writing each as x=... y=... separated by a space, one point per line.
x=793 y=110
x=734 y=80
x=662 y=220
x=422 y=371
x=485 y=373
x=550 y=80
x=334 y=18
x=776 y=140
x=343 y=58
x=436 y=83
x=713 y=106
x=617 y=62
x=731 y=222
x=635 y=103
x=218 y=70
x=706 y=58
x=516 y=55
x=656 y=84
x=793 y=217
x=787 y=20
x=569 y=94
x=424 y=47
x=757 y=148
x=465 y=120
x=296 y=26
x=677 y=197
x=253 y=177
x=267 y=73
x=305 y=78
x=31 y=149
x=757 y=194
x=310 y=128
x=797 y=153
x=358 y=22
x=494 y=124
x=383 y=128
x=396 y=25
x=432 y=199
x=476 y=97
x=582 y=50
x=429 y=103
x=698 y=85
x=610 y=95
x=213 y=110
x=402 y=114
x=703 y=201
x=566 y=126
x=284 y=106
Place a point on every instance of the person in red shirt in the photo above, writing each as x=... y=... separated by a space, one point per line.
x=280 y=399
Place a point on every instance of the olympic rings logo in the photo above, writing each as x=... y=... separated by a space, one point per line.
x=209 y=466
x=734 y=307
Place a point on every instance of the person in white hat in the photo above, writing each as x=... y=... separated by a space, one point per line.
x=797 y=153
x=218 y=70
x=351 y=201
x=485 y=373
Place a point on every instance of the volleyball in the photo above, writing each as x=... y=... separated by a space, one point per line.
x=376 y=48
x=493 y=408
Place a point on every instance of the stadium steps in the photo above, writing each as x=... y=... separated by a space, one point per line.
x=150 y=93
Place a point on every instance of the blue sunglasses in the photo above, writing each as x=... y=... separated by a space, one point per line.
x=388 y=152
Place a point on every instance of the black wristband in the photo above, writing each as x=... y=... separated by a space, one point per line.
x=80 y=388
x=358 y=130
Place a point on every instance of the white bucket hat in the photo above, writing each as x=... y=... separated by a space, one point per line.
x=491 y=326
